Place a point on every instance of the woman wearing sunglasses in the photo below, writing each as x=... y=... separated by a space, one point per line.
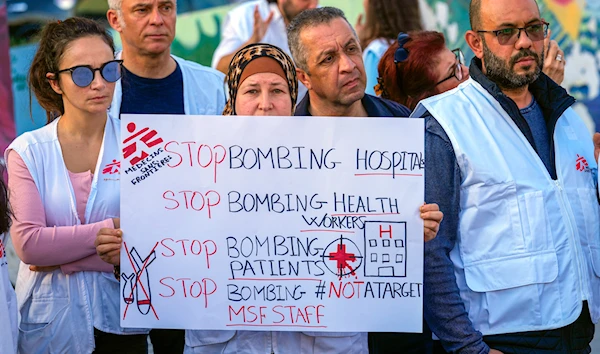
x=63 y=190
x=419 y=65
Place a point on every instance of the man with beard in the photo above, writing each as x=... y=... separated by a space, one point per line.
x=257 y=21
x=516 y=264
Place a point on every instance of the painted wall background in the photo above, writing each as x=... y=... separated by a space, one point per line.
x=574 y=25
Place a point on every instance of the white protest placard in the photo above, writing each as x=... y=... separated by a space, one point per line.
x=272 y=223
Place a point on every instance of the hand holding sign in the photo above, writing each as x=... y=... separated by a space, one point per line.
x=432 y=218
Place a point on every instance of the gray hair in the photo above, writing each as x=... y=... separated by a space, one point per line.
x=309 y=19
x=115 y=4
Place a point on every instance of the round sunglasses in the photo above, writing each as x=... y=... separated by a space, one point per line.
x=83 y=75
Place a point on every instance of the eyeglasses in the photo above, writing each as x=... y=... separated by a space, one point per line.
x=458 y=71
x=509 y=36
x=83 y=75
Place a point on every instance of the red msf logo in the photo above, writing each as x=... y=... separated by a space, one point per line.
x=144 y=135
x=581 y=163
x=112 y=168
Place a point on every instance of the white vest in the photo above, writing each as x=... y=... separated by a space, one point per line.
x=59 y=311
x=528 y=247
x=8 y=306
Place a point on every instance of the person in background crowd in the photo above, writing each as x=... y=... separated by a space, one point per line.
x=329 y=62
x=257 y=21
x=68 y=298
x=384 y=19
x=514 y=268
x=419 y=65
x=157 y=82
x=8 y=300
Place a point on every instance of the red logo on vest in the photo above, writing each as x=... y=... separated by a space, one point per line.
x=581 y=163
x=112 y=168
x=144 y=135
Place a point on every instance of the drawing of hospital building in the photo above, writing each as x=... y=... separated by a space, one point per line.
x=385 y=249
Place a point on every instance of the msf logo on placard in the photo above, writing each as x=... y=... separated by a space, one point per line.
x=146 y=136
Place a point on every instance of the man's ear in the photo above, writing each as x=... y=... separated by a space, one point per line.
x=304 y=78
x=113 y=19
x=475 y=41
x=53 y=80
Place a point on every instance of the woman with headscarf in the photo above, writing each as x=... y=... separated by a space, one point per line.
x=262 y=82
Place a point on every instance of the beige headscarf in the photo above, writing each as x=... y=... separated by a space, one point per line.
x=245 y=56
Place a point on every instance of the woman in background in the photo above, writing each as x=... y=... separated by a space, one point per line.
x=384 y=19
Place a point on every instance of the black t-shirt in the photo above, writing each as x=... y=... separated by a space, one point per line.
x=152 y=96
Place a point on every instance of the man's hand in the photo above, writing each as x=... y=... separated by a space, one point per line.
x=108 y=245
x=432 y=217
x=494 y=351
x=554 y=62
x=596 y=145
x=260 y=26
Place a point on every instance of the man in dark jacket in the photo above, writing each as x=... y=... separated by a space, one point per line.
x=514 y=267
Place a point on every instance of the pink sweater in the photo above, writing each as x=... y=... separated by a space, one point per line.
x=71 y=247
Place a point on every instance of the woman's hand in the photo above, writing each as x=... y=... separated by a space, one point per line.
x=432 y=217
x=108 y=245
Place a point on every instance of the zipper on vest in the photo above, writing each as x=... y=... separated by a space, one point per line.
x=576 y=245
x=271 y=342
